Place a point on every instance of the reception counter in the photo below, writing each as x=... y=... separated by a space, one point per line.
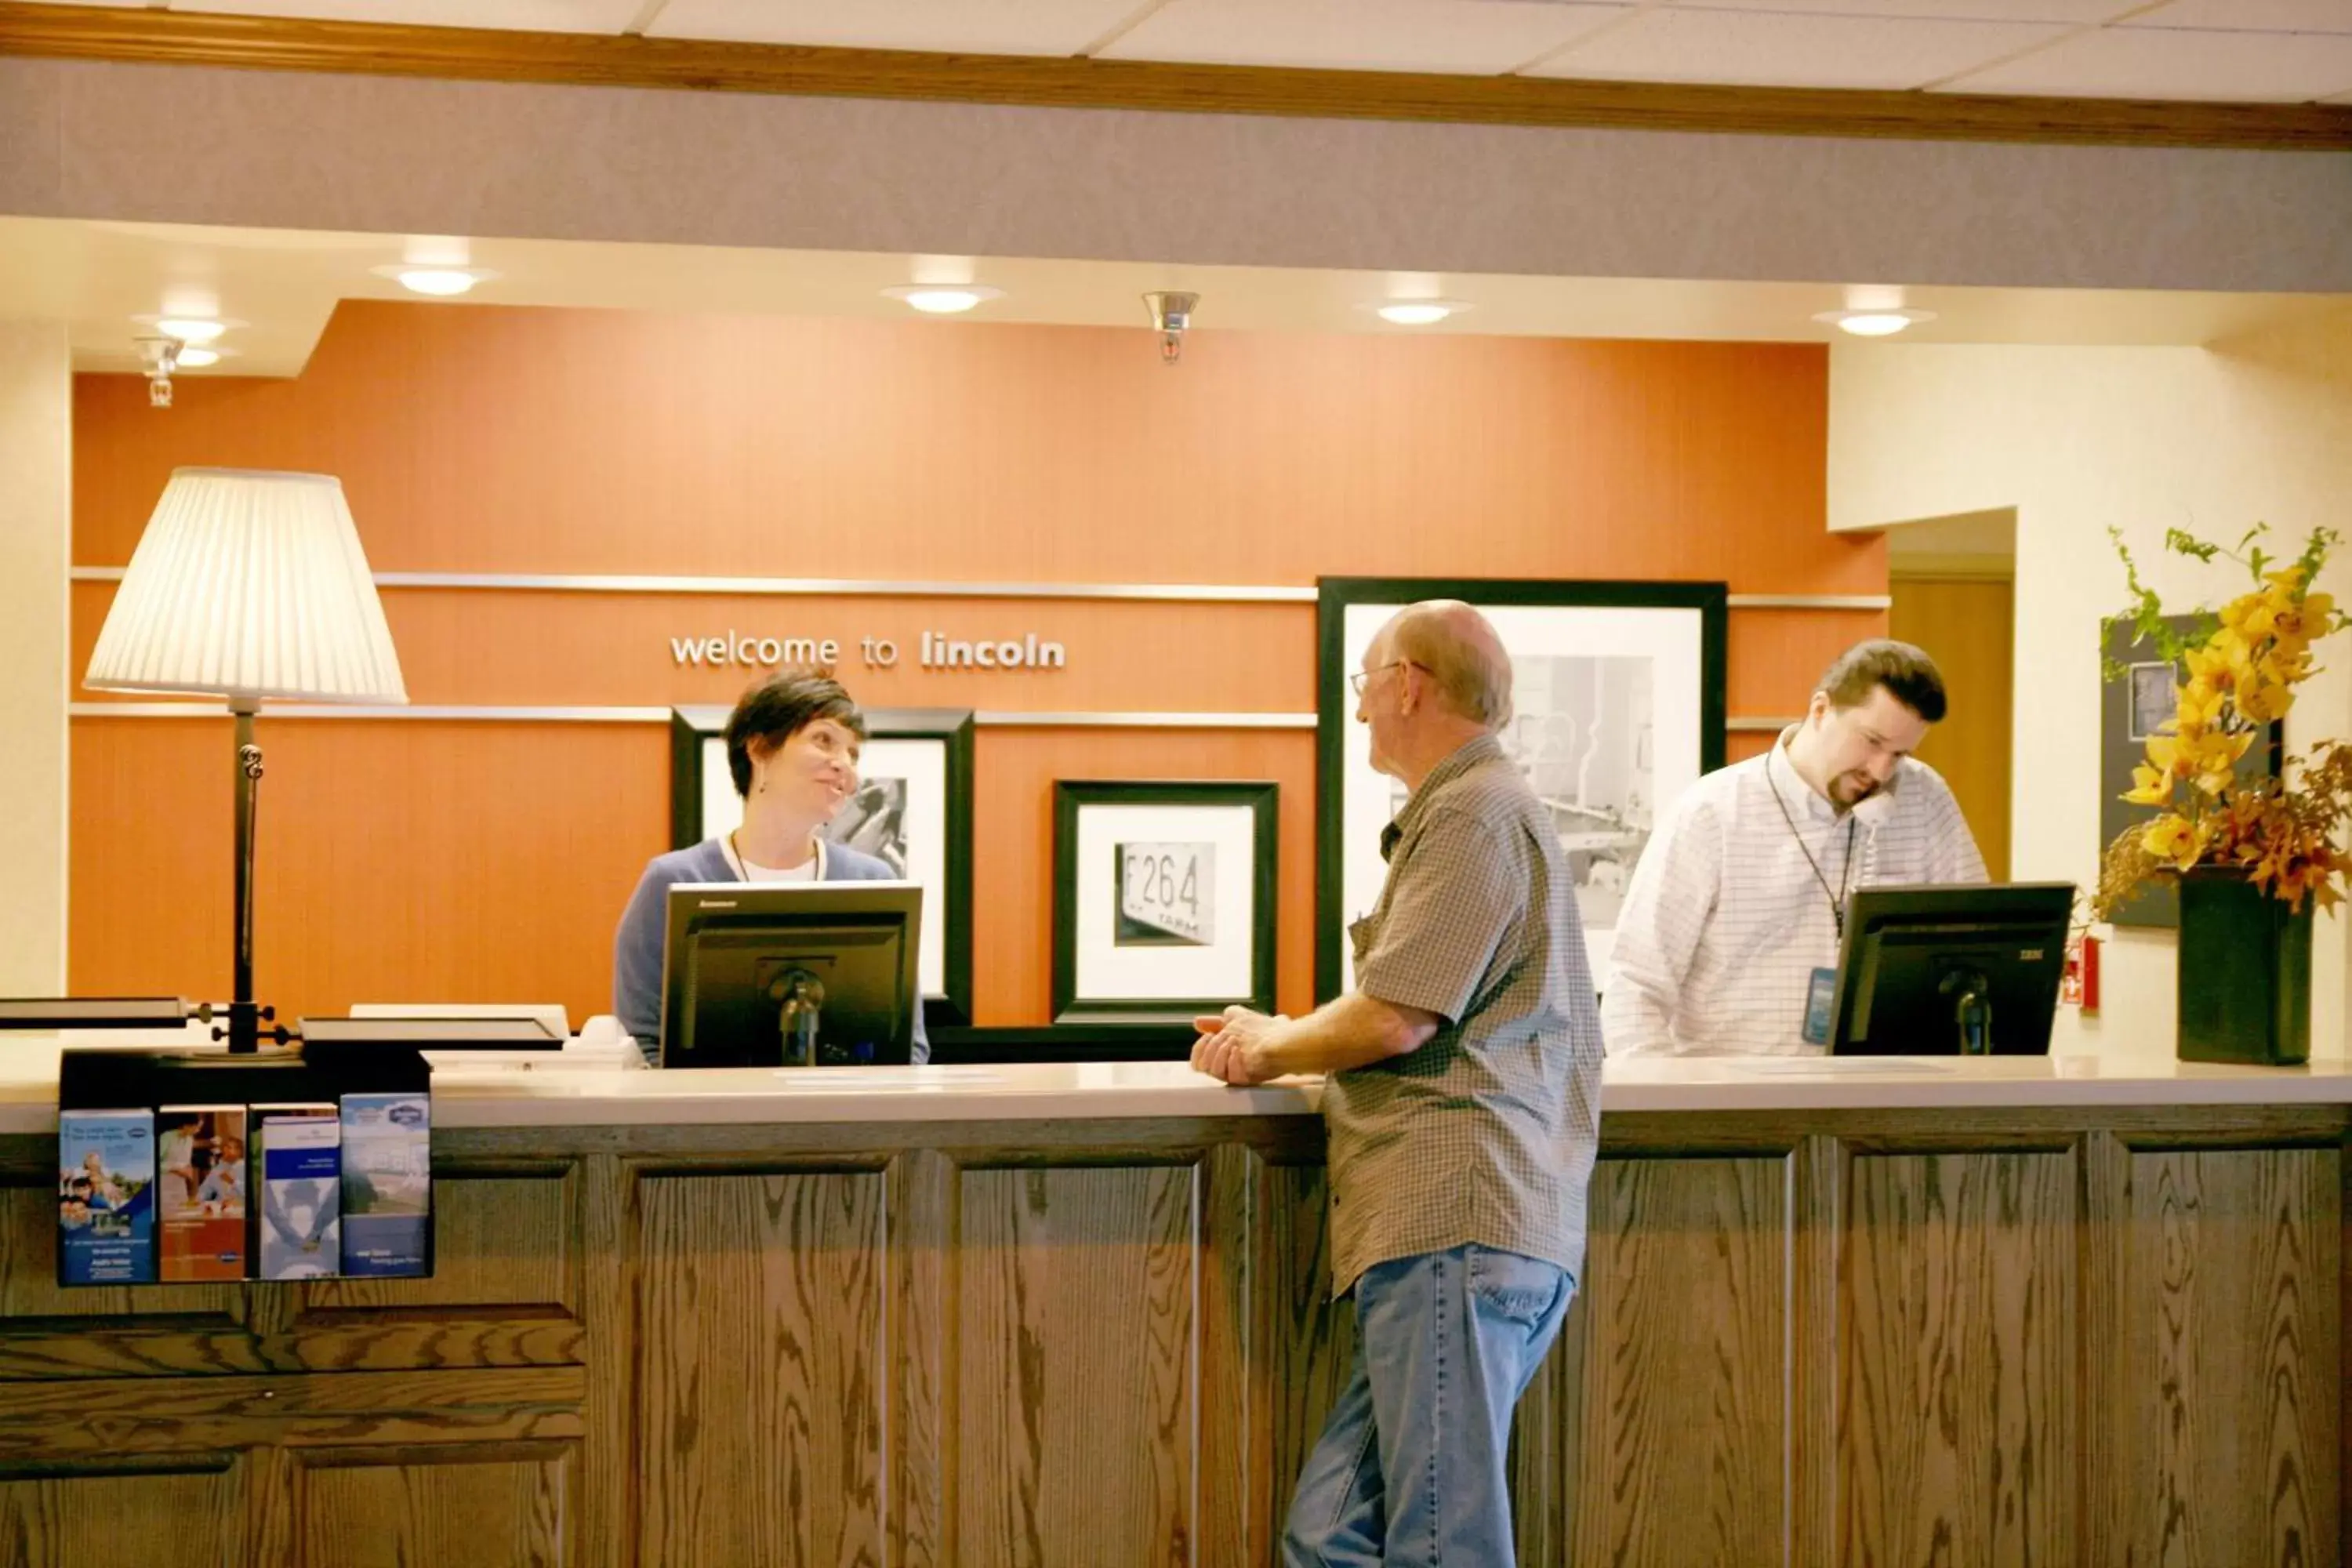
x=2050 y=1311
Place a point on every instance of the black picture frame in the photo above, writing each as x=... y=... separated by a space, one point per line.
x=1073 y=1004
x=1336 y=705
x=693 y=728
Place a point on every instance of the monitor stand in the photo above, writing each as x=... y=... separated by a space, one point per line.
x=803 y=995
x=1971 y=1010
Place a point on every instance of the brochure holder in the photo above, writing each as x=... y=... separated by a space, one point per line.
x=318 y=1074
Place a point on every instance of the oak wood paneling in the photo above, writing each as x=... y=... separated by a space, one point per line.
x=1547 y=1443
x=1956 y=1431
x=2229 y=1394
x=455 y=1505
x=1678 y=1455
x=762 y=1391
x=499 y=1240
x=162 y=1416
x=1917 y=1336
x=607 y=1504
x=1077 y=1367
x=1817 y=1166
x=1308 y=1340
x=1082 y=82
x=166 y=1346
x=922 y=1243
x=121 y=1510
x=1227 y=1441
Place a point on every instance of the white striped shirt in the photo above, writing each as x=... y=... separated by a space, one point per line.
x=1725 y=920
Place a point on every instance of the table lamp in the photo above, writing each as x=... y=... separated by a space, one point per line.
x=248 y=585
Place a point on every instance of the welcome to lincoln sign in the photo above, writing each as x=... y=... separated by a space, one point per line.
x=733 y=649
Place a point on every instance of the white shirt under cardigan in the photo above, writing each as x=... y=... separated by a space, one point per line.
x=1725 y=921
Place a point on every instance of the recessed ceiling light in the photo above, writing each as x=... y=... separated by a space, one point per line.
x=441 y=282
x=1876 y=323
x=944 y=299
x=1417 y=312
x=191 y=328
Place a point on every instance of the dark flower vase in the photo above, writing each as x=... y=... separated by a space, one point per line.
x=2245 y=972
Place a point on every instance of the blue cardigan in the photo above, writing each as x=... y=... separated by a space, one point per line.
x=637 y=946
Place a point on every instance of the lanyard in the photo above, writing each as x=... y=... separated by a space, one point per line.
x=735 y=858
x=1845 y=872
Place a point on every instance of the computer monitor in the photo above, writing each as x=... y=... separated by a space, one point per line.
x=1947 y=971
x=790 y=973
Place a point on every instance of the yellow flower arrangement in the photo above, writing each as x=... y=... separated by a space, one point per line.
x=2241 y=667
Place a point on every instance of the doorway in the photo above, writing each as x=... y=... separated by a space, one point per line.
x=1953 y=583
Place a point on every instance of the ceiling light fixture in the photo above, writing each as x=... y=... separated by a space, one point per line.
x=1417 y=312
x=191 y=328
x=943 y=298
x=1874 y=323
x=441 y=282
x=195 y=358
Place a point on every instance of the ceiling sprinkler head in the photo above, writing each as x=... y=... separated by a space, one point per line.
x=1171 y=314
x=158 y=357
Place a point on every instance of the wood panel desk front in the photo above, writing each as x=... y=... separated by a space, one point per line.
x=1954 y=1312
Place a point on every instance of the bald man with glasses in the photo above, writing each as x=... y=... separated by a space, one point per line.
x=1461 y=1101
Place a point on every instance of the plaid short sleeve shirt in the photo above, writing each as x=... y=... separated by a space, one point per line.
x=1487 y=1132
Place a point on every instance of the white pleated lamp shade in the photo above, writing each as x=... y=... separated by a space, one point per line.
x=249 y=584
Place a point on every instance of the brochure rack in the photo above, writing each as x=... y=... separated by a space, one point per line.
x=319 y=1074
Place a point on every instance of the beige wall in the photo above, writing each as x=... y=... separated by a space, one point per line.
x=35 y=400
x=2079 y=440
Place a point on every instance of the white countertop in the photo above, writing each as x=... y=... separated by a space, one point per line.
x=556 y=1096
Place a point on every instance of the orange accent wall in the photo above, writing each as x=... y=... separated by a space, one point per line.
x=423 y=860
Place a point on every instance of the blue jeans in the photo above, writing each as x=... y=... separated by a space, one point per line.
x=1410 y=1467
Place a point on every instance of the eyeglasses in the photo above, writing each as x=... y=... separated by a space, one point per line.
x=1363 y=678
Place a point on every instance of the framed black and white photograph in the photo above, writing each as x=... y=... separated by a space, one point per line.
x=2155 y=698
x=912 y=810
x=1617 y=707
x=1163 y=899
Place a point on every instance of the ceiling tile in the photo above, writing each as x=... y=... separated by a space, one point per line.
x=2073 y=13
x=973 y=26
x=2148 y=62
x=609 y=16
x=2251 y=15
x=1475 y=36
x=1782 y=49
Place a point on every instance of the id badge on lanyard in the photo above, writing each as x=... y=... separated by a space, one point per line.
x=1820 y=994
x=1821 y=987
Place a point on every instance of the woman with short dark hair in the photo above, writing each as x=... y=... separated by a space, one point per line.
x=792 y=745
